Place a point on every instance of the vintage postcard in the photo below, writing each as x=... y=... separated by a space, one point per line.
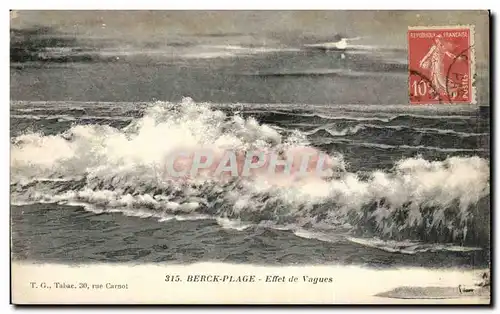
x=250 y=157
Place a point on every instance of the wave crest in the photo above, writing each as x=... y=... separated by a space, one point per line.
x=120 y=169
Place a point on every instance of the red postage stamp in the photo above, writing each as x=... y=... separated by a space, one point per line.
x=441 y=65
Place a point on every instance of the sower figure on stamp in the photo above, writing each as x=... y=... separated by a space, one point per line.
x=434 y=61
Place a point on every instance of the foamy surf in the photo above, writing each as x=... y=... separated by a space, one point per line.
x=121 y=170
x=409 y=247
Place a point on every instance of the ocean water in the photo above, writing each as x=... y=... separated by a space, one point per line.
x=88 y=139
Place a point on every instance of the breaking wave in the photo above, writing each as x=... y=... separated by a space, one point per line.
x=120 y=169
x=373 y=127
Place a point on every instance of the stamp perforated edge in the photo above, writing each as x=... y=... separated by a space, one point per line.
x=472 y=43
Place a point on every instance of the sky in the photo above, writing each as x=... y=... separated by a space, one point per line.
x=386 y=28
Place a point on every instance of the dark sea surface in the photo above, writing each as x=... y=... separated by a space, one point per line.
x=87 y=137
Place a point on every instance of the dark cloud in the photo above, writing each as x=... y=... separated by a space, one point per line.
x=375 y=27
